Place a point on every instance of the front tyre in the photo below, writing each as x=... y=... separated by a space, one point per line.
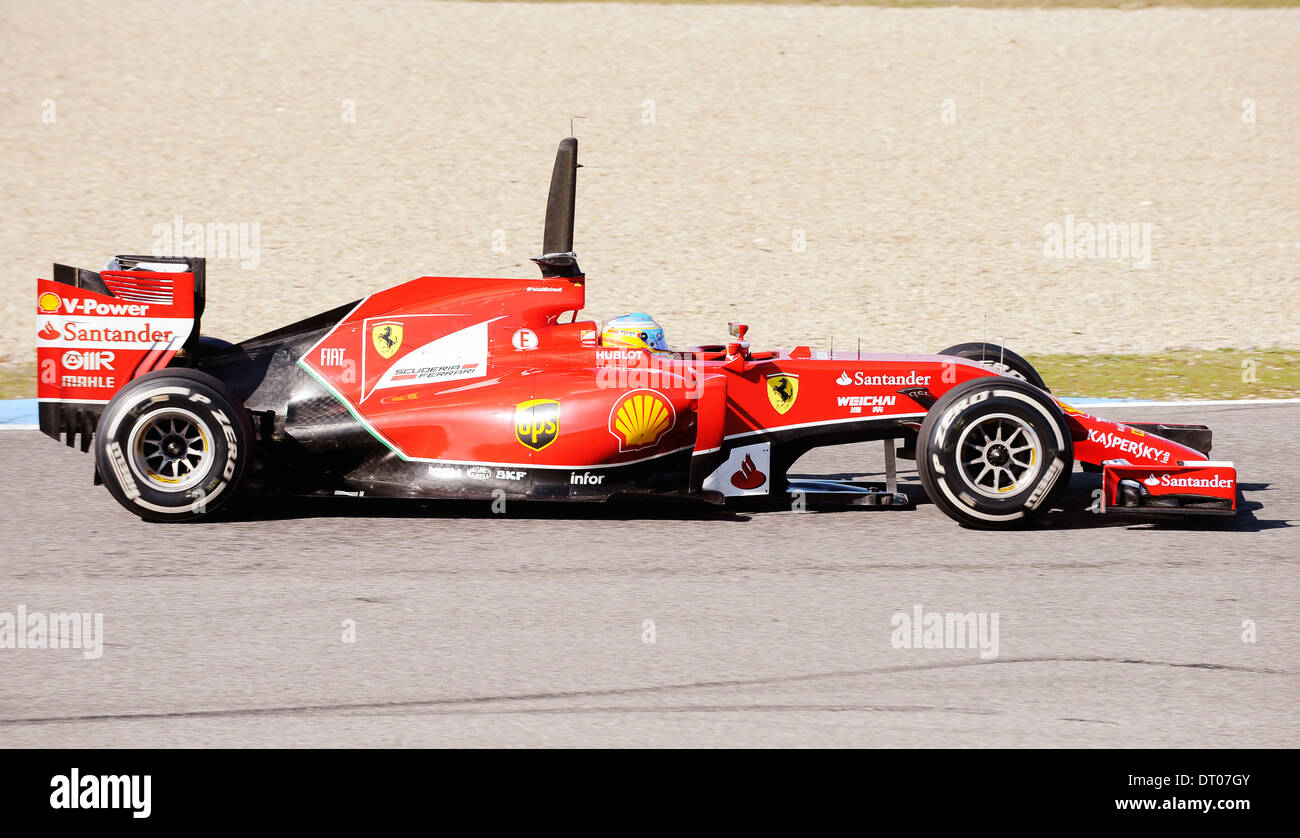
x=994 y=452
x=173 y=445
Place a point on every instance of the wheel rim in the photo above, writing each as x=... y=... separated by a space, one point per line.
x=999 y=455
x=170 y=449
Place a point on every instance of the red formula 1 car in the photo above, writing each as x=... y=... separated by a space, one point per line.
x=492 y=388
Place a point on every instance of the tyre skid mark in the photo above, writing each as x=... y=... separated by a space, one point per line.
x=470 y=704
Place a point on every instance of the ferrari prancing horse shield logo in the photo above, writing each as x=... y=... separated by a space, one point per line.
x=782 y=390
x=387 y=338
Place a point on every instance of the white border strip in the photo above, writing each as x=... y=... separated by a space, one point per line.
x=825 y=422
x=1081 y=402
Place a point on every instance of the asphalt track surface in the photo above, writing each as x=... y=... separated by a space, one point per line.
x=771 y=628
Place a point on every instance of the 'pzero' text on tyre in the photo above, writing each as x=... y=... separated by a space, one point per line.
x=173 y=445
x=994 y=452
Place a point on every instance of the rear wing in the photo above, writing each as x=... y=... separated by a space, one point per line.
x=97 y=331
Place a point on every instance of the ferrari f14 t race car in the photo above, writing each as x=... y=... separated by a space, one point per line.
x=448 y=387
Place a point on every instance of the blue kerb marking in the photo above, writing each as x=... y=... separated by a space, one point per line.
x=18 y=412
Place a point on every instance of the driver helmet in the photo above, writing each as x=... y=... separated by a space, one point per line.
x=634 y=331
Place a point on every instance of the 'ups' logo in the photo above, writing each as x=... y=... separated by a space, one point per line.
x=537 y=422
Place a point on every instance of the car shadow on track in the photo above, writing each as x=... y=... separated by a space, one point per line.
x=1077 y=509
x=290 y=508
x=1074 y=511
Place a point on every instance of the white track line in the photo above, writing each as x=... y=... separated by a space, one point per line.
x=1188 y=403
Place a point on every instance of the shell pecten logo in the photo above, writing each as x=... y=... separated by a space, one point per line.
x=640 y=419
x=49 y=302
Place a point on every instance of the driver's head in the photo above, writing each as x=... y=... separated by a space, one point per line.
x=634 y=331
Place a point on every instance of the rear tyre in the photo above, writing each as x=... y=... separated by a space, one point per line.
x=998 y=359
x=173 y=445
x=209 y=345
x=994 y=452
